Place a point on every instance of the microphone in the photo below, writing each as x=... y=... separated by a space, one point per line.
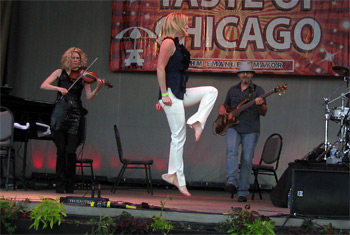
x=93 y=190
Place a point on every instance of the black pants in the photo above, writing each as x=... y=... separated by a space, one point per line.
x=66 y=145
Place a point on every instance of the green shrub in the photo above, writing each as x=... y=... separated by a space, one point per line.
x=104 y=225
x=48 y=212
x=10 y=212
x=159 y=223
x=244 y=221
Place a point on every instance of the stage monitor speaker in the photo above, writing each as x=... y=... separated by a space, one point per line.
x=321 y=193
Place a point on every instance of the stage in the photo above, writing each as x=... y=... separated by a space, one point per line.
x=207 y=206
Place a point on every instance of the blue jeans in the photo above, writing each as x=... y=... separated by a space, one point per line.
x=248 y=142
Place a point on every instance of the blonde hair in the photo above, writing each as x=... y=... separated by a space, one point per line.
x=174 y=23
x=66 y=57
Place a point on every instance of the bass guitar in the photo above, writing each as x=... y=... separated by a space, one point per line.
x=223 y=122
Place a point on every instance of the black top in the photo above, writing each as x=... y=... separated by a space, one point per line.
x=249 y=119
x=176 y=76
x=68 y=109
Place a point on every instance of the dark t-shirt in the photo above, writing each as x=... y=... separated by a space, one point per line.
x=249 y=119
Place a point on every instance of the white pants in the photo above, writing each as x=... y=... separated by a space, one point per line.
x=206 y=97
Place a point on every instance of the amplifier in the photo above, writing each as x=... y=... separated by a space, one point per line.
x=320 y=192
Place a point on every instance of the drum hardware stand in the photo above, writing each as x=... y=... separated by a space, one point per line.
x=343 y=132
x=327 y=117
x=327 y=145
x=343 y=145
x=346 y=153
x=323 y=155
x=343 y=127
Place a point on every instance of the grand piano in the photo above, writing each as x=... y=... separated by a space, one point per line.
x=27 y=111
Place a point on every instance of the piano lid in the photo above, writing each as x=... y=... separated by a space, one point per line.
x=26 y=110
x=14 y=102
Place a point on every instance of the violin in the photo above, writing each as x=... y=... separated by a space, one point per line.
x=88 y=77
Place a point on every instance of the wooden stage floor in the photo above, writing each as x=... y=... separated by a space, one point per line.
x=204 y=206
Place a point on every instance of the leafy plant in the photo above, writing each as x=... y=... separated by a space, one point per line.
x=261 y=227
x=10 y=212
x=48 y=212
x=244 y=221
x=159 y=223
x=105 y=225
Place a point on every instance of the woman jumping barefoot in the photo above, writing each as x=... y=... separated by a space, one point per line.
x=173 y=61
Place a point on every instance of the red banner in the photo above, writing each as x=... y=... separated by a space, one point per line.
x=306 y=37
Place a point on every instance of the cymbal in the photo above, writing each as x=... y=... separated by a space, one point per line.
x=341 y=70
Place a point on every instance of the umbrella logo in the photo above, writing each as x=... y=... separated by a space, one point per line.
x=135 y=33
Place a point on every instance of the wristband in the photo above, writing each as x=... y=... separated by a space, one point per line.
x=164 y=94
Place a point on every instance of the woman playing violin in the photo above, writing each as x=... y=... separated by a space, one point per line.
x=68 y=113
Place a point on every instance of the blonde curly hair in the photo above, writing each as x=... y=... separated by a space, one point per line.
x=174 y=23
x=66 y=57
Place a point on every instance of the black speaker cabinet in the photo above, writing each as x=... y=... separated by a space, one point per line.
x=320 y=193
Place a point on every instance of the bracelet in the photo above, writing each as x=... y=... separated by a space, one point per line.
x=94 y=94
x=164 y=94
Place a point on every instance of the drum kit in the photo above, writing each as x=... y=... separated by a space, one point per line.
x=336 y=152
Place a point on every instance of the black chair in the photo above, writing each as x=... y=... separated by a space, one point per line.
x=7 y=149
x=131 y=164
x=269 y=160
x=81 y=162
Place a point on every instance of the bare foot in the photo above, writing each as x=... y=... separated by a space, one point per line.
x=172 y=179
x=168 y=178
x=197 y=130
x=182 y=189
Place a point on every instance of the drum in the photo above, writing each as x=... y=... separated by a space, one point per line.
x=338 y=114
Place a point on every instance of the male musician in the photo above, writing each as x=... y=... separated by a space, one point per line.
x=245 y=133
